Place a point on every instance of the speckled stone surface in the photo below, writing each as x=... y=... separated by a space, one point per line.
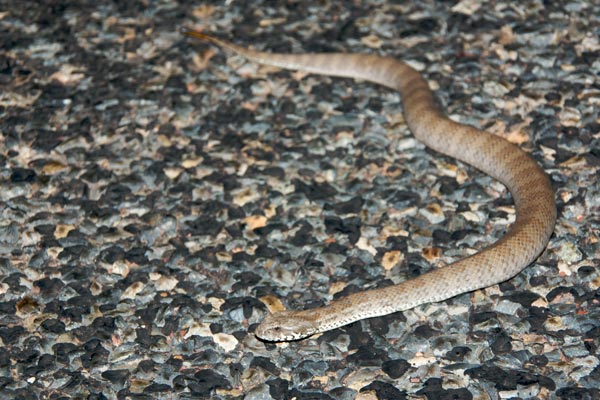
x=156 y=191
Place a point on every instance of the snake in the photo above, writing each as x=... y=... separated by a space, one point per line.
x=530 y=187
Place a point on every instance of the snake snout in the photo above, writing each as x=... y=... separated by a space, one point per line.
x=284 y=326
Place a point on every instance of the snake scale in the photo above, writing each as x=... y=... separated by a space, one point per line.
x=530 y=187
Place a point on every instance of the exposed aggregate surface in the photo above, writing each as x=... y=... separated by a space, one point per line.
x=155 y=189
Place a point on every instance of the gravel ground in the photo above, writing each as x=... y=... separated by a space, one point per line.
x=157 y=192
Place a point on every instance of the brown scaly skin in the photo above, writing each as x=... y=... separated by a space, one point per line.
x=527 y=182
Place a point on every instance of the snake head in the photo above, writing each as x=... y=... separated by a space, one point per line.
x=283 y=326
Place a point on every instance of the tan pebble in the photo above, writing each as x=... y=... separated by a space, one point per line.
x=164 y=140
x=466 y=7
x=26 y=305
x=471 y=216
x=541 y=303
x=52 y=167
x=273 y=303
x=367 y=395
x=554 y=324
x=446 y=168
x=420 y=359
x=256 y=221
x=507 y=36
x=252 y=377
x=563 y=298
x=118 y=268
x=166 y=283
x=570 y=117
x=68 y=74
x=197 y=329
x=432 y=253
x=391 y=259
x=62 y=230
x=576 y=162
x=215 y=302
x=244 y=195
x=133 y=290
x=532 y=338
x=372 y=41
x=271 y=211
x=138 y=385
x=227 y=342
x=192 y=162
x=517 y=135
x=265 y=22
x=173 y=172
x=96 y=287
x=364 y=244
x=4 y=288
x=223 y=256
x=360 y=378
x=203 y=11
x=388 y=231
x=337 y=287
x=433 y=212
x=395 y=120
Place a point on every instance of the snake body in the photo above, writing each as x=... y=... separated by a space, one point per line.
x=530 y=187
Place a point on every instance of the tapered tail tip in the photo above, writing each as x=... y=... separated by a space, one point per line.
x=195 y=34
